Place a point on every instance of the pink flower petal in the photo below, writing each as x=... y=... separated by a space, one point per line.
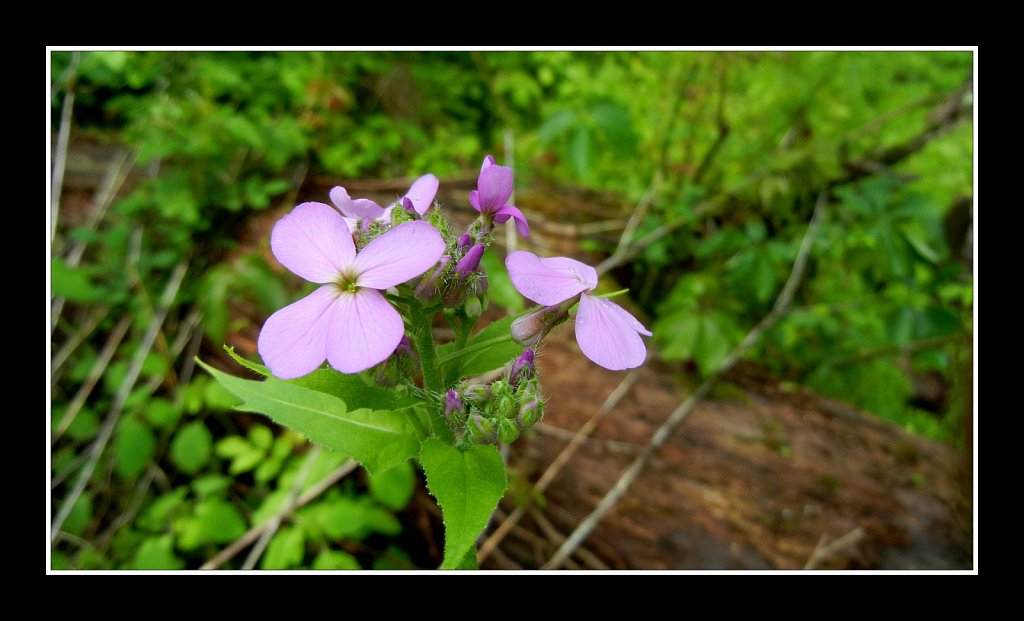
x=488 y=161
x=607 y=334
x=341 y=199
x=548 y=281
x=313 y=242
x=401 y=254
x=474 y=199
x=495 y=184
x=508 y=211
x=293 y=340
x=365 y=208
x=364 y=330
x=422 y=193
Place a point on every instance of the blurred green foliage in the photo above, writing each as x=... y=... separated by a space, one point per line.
x=736 y=147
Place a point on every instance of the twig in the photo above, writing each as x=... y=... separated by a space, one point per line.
x=97 y=315
x=63 y=135
x=275 y=522
x=96 y=449
x=638 y=214
x=662 y=434
x=824 y=550
x=491 y=544
x=254 y=533
x=567 y=435
x=95 y=373
x=557 y=537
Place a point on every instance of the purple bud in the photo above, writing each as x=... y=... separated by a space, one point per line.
x=453 y=406
x=469 y=263
x=407 y=203
x=523 y=365
x=465 y=241
x=404 y=346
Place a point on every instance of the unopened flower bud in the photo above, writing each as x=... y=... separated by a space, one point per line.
x=477 y=393
x=407 y=203
x=427 y=289
x=508 y=431
x=473 y=306
x=529 y=329
x=529 y=413
x=465 y=241
x=454 y=408
x=404 y=347
x=522 y=368
x=482 y=429
x=470 y=262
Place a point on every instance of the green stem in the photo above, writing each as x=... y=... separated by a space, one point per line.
x=423 y=338
x=465 y=327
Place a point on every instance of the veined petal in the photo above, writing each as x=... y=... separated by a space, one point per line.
x=548 y=281
x=629 y=318
x=313 y=242
x=488 y=161
x=364 y=330
x=495 y=184
x=508 y=211
x=401 y=254
x=474 y=199
x=365 y=208
x=293 y=340
x=607 y=335
x=422 y=193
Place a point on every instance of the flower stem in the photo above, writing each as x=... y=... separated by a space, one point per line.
x=423 y=338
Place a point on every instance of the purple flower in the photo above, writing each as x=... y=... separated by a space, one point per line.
x=419 y=197
x=494 y=188
x=470 y=262
x=606 y=333
x=347 y=320
x=523 y=365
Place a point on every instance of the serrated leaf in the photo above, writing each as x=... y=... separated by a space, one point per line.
x=468 y=485
x=135 y=446
x=376 y=439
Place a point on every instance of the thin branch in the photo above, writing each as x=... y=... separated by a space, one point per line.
x=107 y=430
x=491 y=544
x=254 y=533
x=824 y=550
x=97 y=315
x=661 y=435
x=63 y=135
x=275 y=522
x=95 y=373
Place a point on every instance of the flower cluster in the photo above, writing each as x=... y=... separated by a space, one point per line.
x=384 y=272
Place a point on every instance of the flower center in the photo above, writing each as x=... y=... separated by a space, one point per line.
x=347 y=282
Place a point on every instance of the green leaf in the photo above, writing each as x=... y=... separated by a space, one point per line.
x=486 y=351
x=158 y=513
x=213 y=521
x=351 y=518
x=79 y=517
x=286 y=549
x=211 y=485
x=72 y=283
x=376 y=439
x=468 y=485
x=157 y=553
x=394 y=487
x=135 y=446
x=581 y=152
x=335 y=559
x=191 y=447
x=162 y=413
x=556 y=125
